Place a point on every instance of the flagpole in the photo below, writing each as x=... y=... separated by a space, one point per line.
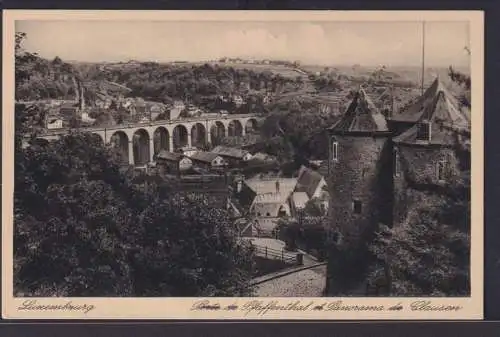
x=423 y=57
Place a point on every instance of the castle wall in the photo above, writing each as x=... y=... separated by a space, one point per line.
x=418 y=184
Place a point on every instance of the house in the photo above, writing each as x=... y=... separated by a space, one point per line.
x=207 y=160
x=54 y=123
x=313 y=184
x=300 y=200
x=268 y=199
x=174 y=113
x=188 y=151
x=177 y=104
x=173 y=163
x=192 y=110
x=154 y=109
x=235 y=157
x=238 y=100
x=380 y=168
x=68 y=109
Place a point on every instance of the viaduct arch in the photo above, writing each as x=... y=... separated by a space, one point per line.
x=138 y=144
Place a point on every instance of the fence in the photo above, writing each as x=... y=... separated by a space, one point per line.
x=276 y=254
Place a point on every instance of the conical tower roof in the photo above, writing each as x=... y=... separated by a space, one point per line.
x=442 y=110
x=361 y=116
x=415 y=111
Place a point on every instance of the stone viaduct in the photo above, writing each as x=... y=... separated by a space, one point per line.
x=140 y=142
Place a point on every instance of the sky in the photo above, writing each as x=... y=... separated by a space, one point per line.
x=321 y=43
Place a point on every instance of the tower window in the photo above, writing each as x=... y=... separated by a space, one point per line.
x=424 y=131
x=356 y=206
x=396 y=164
x=441 y=170
x=335 y=151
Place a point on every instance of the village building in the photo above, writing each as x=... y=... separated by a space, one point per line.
x=380 y=168
x=172 y=163
x=54 y=122
x=238 y=100
x=267 y=201
x=234 y=157
x=176 y=109
x=207 y=160
x=188 y=151
x=311 y=186
x=69 y=109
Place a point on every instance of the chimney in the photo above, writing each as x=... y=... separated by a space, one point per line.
x=277 y=186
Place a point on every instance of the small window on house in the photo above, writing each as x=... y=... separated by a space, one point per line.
x=268 y=214
x=335 y=150
x=424 y=131
x=258 y=213
x=441 y=170
x=356 y=206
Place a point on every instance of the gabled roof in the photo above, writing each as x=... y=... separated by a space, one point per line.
x=308 y=181
x=269 y=185
x=206 y=157
x=172 y=156
x=443 y=112
x=361 y=116
x=229 y=152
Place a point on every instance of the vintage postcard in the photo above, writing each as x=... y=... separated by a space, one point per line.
x=242 y=165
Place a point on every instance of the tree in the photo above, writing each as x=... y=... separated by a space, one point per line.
x=84 y=228
x=190 y=250
x=464 y=81
x=428 y=254
x=312 y=208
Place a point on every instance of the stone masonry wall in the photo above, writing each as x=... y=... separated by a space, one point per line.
x=418 y=184
x=362 y=172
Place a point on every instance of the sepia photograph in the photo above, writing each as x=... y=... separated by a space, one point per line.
x=241 y=158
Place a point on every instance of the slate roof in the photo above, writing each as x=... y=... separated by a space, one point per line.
x=361 y=116
x=229 y=152
x=308 y=181
x=439 y=107
x=172 y=156
x=206 y=157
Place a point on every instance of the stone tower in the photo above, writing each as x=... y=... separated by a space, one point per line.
x=430 y=156
x=360 y=186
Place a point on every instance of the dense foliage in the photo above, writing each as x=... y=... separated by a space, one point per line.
x=307 y=233
x=302 y=126
x=86 y=226
x=82 y=228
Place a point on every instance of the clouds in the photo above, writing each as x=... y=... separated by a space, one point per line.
x=397 y=43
